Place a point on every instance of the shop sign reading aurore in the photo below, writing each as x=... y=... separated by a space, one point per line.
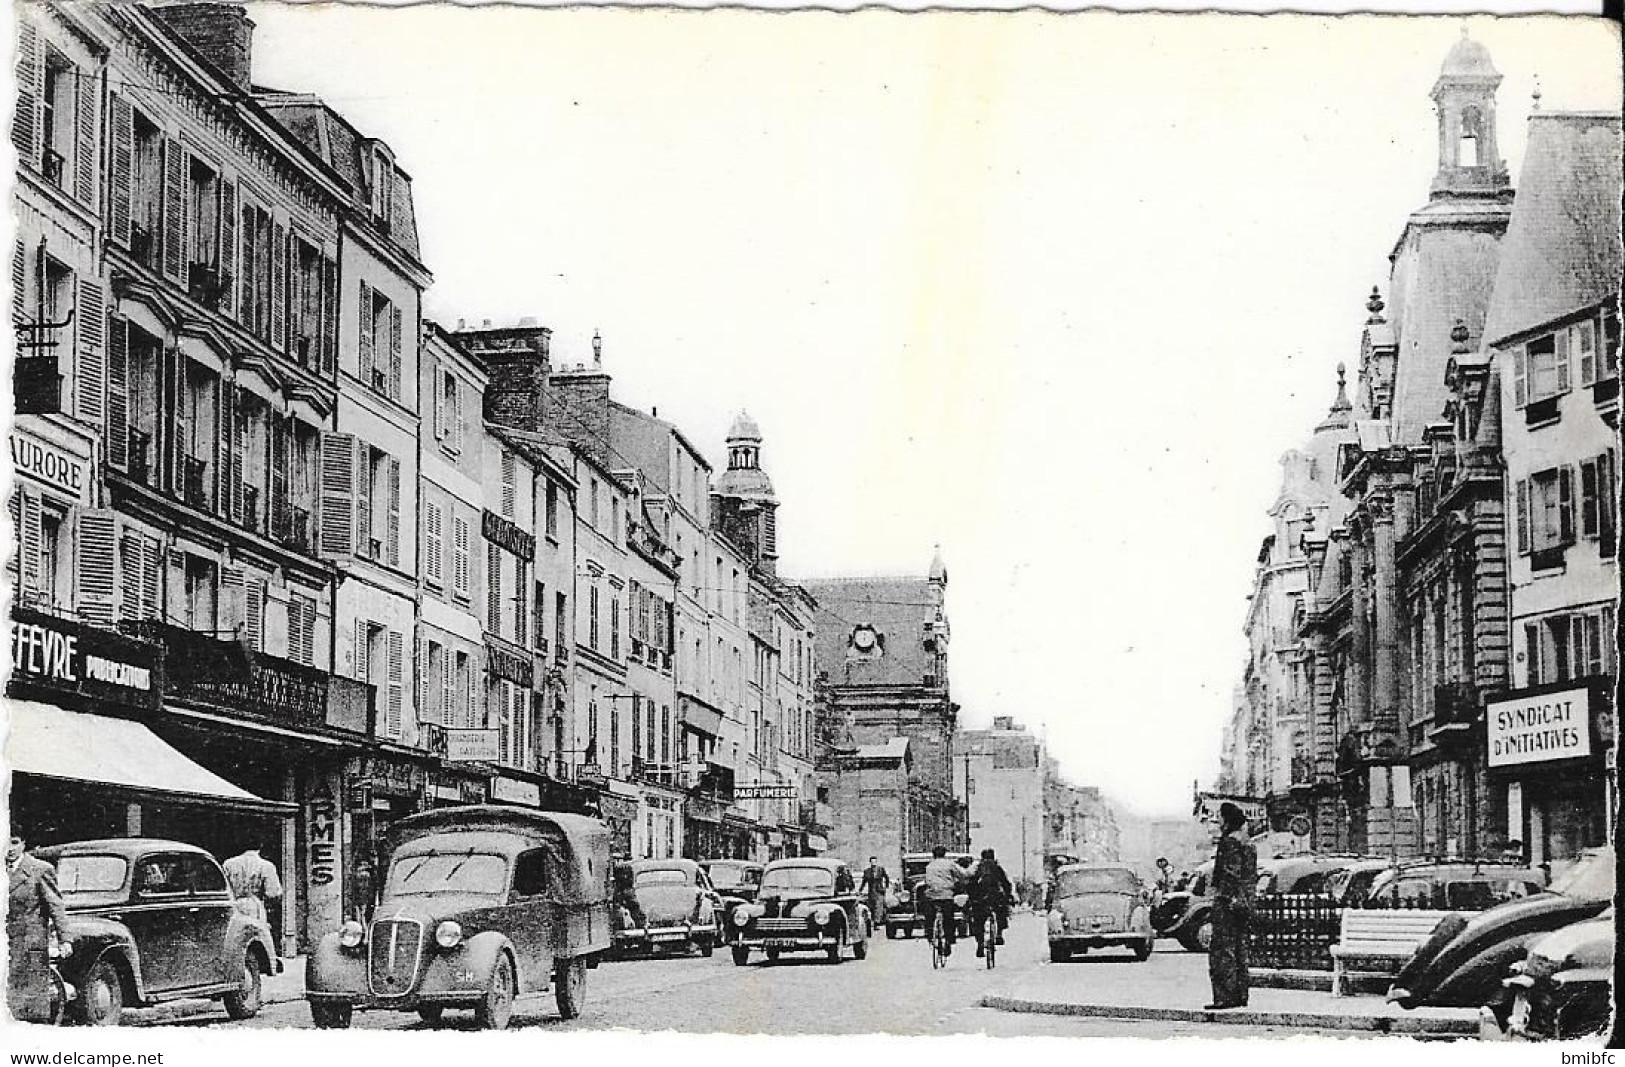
x=1538 y=728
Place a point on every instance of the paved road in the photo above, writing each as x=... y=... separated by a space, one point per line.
x=893 y=991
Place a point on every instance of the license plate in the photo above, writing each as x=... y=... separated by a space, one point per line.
x=1102 y=920
x=669 y=935
x=781 y=942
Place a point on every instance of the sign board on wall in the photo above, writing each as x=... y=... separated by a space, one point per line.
x=51 y=465
x=1539 y=728
x=511 y=792
x=71 y=657
x=471 y=745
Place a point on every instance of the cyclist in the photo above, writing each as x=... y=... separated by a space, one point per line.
x=990 y=892
x=943 y=879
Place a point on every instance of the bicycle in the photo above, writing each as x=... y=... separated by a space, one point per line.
x=990 y=936
x=939 y=940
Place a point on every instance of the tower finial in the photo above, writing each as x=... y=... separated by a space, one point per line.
x=1535 y=95
x=597 y=350
x=1458 y=338
x=1375 y=305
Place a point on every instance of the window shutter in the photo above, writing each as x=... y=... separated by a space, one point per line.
x=363 y=658
x=245 y=263
x=509 y=489
x=175 y=258
x=118 y=394
x=1565 y=505
x=279 y=287
x=392 y=532
x=19 y=282
x=448 y=689
x=337 y=494
x=440 y=380
x=279 y=478
x=1523 y=516
x=460 y=550
x=493 y=589
x=366 y=339
x=26 y=125
x=234 y=600
x=254 y=603
x=151 y=553
x=329 y=339
x=1560 y=359
x=97 y=560
x=456 y=415
x=84 y=137
x=90 y=368
x=1607 y=508
x=225 y=419
x=395 y=669
x=130 y=576
x=394 y=352
x=1520 y=376
x=1588 y=498
x=28 y=546
x=420 y=663
x=363 y=501
x=240 y=450
x=14 y=507
x=121 y=164
x=432 y=543
x=1585 y=338
x=228 y=246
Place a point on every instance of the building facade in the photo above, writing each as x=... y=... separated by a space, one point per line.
x=999 y=775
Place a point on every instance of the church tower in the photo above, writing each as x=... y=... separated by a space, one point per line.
x=1470 y=163
x=743 y=504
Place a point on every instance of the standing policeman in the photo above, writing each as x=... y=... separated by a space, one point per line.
x=1235 y=879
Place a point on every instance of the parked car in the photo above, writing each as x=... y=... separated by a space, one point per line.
x=1462 y=962
x=1561 y=990
x=903 y=916
x=481 y=904
x=152 y=921
x=808 y=904
x=736 y=883
x=1186 y=914
x=1099 y=907
x=1306 y=873
x=1350 y=886
x=676 y=906
x=1450 y=885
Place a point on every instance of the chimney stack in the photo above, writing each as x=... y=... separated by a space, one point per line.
x=221 y=33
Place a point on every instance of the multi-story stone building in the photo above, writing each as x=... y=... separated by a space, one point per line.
x=1552 y=345
x=882 y=662
x=999 y=774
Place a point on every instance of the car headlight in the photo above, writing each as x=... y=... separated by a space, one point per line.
x=448 y=934
x=741 y=916
x=351 y=934
x=821 y=918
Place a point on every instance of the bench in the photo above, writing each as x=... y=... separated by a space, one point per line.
x=1379 y=935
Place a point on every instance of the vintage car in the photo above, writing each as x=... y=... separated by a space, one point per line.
x=903 y=918
x=480 y=905
x=736 y=883
x=1350 y=886
x=1453 y=885
x=1561 y=991
x=805 y=905
x=1099 y=907
x=152 y=921
x=671 y=904
x=1308 y=873
x=1186 y=914
x=1462 y=963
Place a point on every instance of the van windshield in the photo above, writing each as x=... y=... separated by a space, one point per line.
x=443 y=872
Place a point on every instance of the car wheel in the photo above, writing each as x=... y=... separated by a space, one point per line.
x=495 y=1009
x=1057 y=954
x=1142 y=951
x=706 y=943
x=772 y=954
x=741 y=955
x=860 y=950
x=330 y=1015
x=245 y=1003
x=431 y=1013
x=570 y=987
x=833 y=953
x=1204 y=935
x=101 y=1000
x=891 y=932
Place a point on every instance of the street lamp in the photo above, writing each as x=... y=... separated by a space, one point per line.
x=970 y=787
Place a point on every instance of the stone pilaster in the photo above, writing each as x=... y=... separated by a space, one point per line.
x=1385 y=654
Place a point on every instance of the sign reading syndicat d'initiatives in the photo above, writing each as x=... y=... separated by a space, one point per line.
x=1534 y=729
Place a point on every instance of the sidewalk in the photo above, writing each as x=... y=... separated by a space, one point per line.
x=1173 y=986
x=289 y=985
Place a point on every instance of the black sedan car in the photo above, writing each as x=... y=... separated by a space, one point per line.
x=152 y=921
x=805 y=905
x=1463 y=961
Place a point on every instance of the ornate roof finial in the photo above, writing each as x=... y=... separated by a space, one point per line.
x=1458 y=338
x=597 y=349
x=1535 y=96
x=1375 y=305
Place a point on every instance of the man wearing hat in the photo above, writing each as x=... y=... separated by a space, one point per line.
x=1235 y=879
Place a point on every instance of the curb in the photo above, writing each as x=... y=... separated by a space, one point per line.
x=1232 y=1017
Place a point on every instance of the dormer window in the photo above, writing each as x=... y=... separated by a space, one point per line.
x=383 y=185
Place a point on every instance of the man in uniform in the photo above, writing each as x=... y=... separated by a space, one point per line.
x=1235 y=879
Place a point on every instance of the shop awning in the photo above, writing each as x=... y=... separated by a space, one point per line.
x=52 y=742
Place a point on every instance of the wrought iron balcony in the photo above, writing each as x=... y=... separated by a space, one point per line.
x=53 y=165
x=224 y=674
x=140 y=456
x=251 y=508
x=206 y=284
x=195 y=482
x=143 y=243
x=36 y=386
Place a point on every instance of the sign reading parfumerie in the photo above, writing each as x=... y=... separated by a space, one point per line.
x=1535 y=729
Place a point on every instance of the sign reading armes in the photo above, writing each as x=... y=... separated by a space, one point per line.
x=1534 y=729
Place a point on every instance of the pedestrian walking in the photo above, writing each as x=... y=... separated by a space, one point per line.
x=366 y=888
x=33 y=911
x=254 y=882
x=875 y=883
x=1235 y=878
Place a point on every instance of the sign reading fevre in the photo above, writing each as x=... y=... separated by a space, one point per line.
x=1534 y=729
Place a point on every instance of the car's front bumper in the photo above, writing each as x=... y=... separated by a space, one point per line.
x=445 y=998
x=1092 y=939
x=812 y=941
x=662 y=934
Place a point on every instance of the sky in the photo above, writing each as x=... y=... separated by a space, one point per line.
x=1054 y=292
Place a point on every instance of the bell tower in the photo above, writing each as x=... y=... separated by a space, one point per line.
x=1470 y=163
x=744 y=505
